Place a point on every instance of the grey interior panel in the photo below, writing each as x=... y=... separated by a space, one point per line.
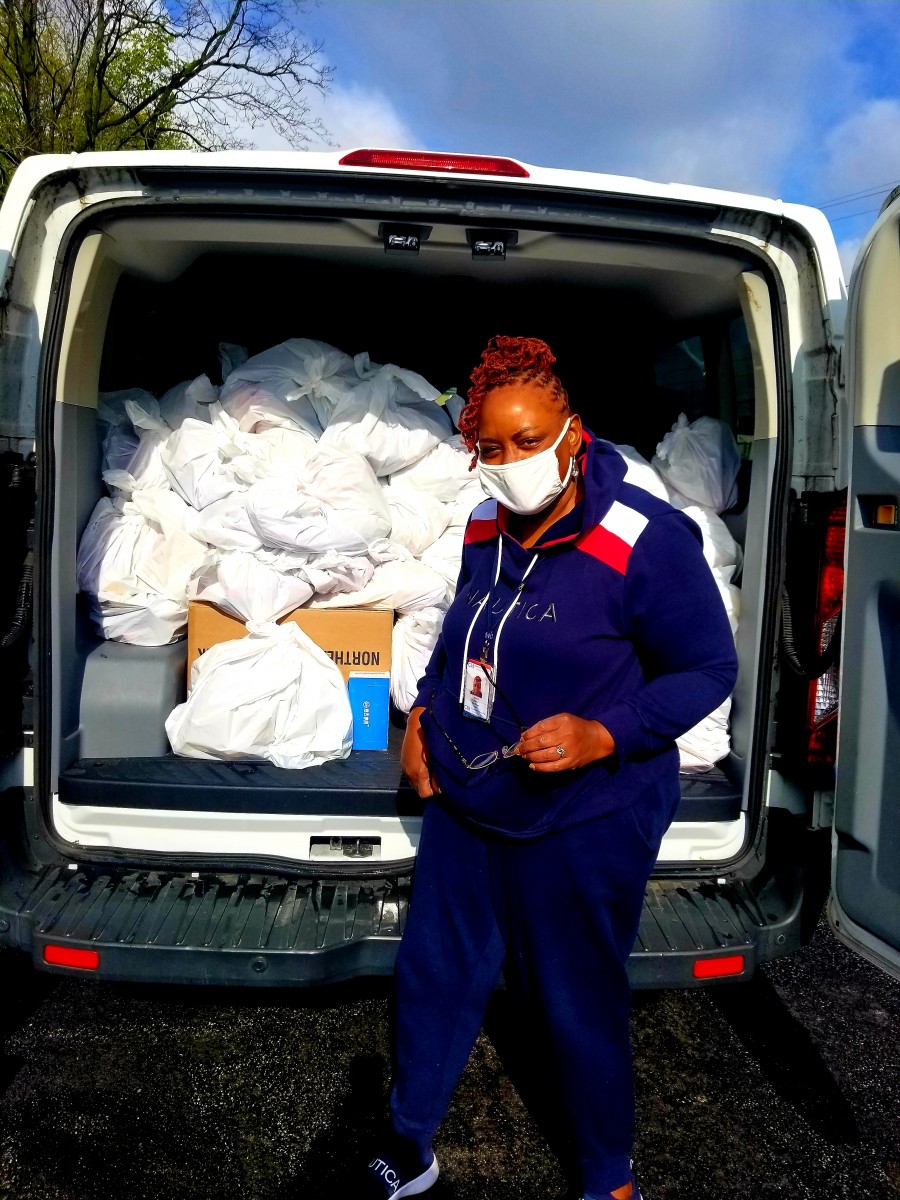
x=753 y=581
x=126 y=695
x=79 y=487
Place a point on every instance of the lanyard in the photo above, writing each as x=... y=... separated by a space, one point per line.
x=478 y=611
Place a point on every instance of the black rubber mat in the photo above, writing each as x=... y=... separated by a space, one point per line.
x=367 y=784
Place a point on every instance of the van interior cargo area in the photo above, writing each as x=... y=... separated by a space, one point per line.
x=641 y=332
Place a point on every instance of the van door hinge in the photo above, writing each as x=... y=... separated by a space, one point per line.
x=822 y=810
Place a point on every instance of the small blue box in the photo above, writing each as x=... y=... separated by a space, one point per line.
x=370 y=693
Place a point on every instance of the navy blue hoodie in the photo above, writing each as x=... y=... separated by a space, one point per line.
x=619 y=621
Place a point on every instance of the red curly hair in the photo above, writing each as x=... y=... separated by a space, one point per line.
x=508 y=360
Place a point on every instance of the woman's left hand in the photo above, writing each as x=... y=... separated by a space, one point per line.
x=582 y=742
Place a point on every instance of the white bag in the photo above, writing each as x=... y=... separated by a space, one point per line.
x=276 y=452
x=306 y=376
x=445 y=556
x=146 y=468
x=389 y=417
x=111 y=406
x=226 y=524
x=334 y=572
x=414 y=638
x=251 y=590
x=708 y=742
x=339 y=505
x=135 y=562
x=442 y=473
x=190 y=399
x=639 y=472
x=720 y=549
x=404 y=585
x=417 y=519
x=231 y=357
x=255 y=409
x=193 y=461
x=468 y=499
x=699 y=463
x=273 y=694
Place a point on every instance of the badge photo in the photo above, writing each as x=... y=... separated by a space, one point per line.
x=478 y=694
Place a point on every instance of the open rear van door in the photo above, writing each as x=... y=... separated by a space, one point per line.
x=864 y=908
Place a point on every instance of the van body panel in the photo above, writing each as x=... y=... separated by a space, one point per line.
x=865 y=906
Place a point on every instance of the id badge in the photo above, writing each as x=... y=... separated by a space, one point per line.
x=478 y=693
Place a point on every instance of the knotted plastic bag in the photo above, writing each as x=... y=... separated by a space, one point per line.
x=389 y=416
x=192 y=398
x=414 y=637
x=135 y=561
x=145 y=468
x=699 y=463
x=338 y=505
x=252 y=590
x=195 y=460
x=297 y=383
x=417 y=518
x=442 y=473
x=273 y=694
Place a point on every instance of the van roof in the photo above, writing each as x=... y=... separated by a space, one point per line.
x=39 y=167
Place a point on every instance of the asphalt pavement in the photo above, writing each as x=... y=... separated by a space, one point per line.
x=786 y=1088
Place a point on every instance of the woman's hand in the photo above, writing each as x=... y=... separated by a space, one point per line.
x=582 y=742
x=414 y=756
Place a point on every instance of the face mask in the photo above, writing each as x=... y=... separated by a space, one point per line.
x=529 y=484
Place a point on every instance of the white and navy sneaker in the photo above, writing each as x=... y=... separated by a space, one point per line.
x=399 y=1172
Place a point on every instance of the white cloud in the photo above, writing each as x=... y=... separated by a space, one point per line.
x=359 y=116
x=848 y=250
x=353 y=115
x=863 y=152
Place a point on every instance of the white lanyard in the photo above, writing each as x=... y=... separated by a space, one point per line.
x=480 y=609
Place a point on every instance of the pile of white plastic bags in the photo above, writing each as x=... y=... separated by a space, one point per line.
x=308 y=478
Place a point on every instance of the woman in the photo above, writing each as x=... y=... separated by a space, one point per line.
x=587 y=633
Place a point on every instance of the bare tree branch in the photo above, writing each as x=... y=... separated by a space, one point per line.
x=114 y=74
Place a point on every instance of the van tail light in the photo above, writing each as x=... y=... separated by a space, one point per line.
x=822 y=701
x=71 y=956
x=718 y=968
x=427 y=160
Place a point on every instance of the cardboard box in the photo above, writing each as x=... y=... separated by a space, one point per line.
x=370 y=696
x=355 y=639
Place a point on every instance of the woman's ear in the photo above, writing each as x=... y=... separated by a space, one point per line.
x=574 y=433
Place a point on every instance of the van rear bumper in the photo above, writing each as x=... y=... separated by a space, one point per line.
x=272 y=931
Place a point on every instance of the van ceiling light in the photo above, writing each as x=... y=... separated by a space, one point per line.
x=490 y=245
x=426 y=160
x=403 y=239
x=713 y=968
x=72 y=956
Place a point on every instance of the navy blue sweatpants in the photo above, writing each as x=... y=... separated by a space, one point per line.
x=560 y=913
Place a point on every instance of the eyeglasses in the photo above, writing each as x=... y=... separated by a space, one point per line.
x=481 y=761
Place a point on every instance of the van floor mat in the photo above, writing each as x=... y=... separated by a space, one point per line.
x=271 y=930
x=369 y=783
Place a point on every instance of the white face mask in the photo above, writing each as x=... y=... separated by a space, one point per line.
x=529 y=484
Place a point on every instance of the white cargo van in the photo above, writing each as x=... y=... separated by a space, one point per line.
x=128 y=270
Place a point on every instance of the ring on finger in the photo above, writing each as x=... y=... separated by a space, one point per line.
x=561 y=751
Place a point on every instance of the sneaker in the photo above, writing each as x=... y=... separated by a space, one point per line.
x=398 y=1172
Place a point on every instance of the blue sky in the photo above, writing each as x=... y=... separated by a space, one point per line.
x=794 y=98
